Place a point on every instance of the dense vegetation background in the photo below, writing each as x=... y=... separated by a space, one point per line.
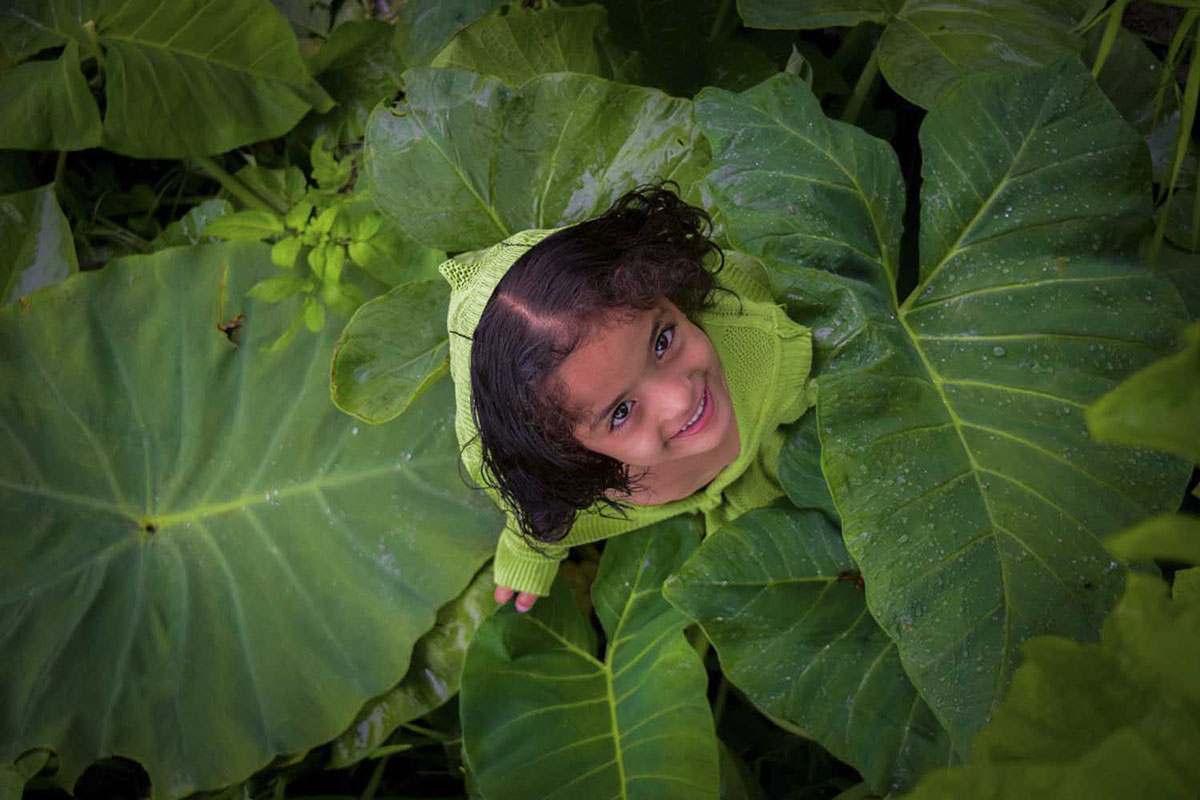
x=238 y=558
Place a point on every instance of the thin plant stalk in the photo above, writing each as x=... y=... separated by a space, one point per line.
x=1191 y=92
x=1115 y=14
x=238 y=188
x=865 y=81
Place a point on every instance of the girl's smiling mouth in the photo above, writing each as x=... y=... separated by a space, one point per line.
x=700 y=417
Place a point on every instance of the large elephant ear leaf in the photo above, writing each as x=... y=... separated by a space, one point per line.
x=180 y=79
x=464 y=161
x=543 y=716
x=952 y=424
x=775 y=592
x=251 y=565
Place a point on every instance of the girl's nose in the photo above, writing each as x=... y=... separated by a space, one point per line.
x=677 y=398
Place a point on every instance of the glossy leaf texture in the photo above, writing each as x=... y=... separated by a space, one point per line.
x=544 y=717
x=464 y=161
x=250 y=565
x=432 y=678
x=523 y=43
x=775 y=593
x=1158 y=407
x=952 y=424
x=929 y=46
x=423 y=27
x=392 y=350
x=46 y=105
x=1098 y=722
x=181 y=78
x=36 y=247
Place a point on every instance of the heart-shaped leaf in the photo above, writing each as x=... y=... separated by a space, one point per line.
x=393 y=349
x=952 y=422
x=180 y=78
x=544 y=717
x=204 y=564
x=775 y=593
x=466 y=161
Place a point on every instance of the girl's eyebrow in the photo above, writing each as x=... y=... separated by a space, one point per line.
x=603 y=415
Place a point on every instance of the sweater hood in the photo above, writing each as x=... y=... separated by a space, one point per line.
x=473 y=278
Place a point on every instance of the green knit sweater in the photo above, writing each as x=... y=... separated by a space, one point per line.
x=766 y=357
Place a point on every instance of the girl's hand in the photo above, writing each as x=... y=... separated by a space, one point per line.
x=524 y=602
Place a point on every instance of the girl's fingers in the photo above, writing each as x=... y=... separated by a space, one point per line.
x=503 y=593
x=525 y=601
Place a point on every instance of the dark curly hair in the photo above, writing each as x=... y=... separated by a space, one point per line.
x=647 y=246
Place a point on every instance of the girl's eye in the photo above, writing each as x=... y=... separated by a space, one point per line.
x=621 y=413
x=664 y=340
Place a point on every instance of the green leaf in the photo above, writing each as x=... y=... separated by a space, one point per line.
x=432 y=677
x=544 y=717
x=316 y=259
x=933 y=45
x=276 y=288
x=800 y=469
x=330 y=172
x=190 y=228
x=929 y=46
x=241 y=553
x=285 y=252
x=797 y=639
x=36 y=247
x=524 y=43
x=465 y=161
x=952 y=424
x=297 y=216
x=1101 y=722
x=423 y=27
x=46 y=105
x=1167 y=537
x=181 y=79
x=388 y=255
x=1131 y=79
x=358 y=66
x=335 y=259
x=815 y=13
x=251 y=225
x=392 y=350
x=1158 y=407
x=314 y=314
x=1182 y=269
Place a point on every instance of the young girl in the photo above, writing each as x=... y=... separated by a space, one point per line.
x=606 y=379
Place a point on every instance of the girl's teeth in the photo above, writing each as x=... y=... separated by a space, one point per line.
x=699 y=411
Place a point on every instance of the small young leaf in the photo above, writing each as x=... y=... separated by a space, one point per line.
x=294 y=185
x=297 y=218
x=316 y=260
x=314 y=314
x=284 y=252
x=367 y=227
x=335 y=259
x=272 y=290
x=324 y=221
x=245 y=226
x=329 y=172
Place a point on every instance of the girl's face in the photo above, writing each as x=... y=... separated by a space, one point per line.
x=651 y=391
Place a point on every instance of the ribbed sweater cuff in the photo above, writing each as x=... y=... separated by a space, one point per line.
x=522 y=573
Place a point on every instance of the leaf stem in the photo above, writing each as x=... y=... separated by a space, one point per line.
x=60 y=169
x=865 y=81
x=1115 y=15
x=238 y=188
x=1191 y=95
x=89 y=28
x=719 y=22
x=376 y=777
